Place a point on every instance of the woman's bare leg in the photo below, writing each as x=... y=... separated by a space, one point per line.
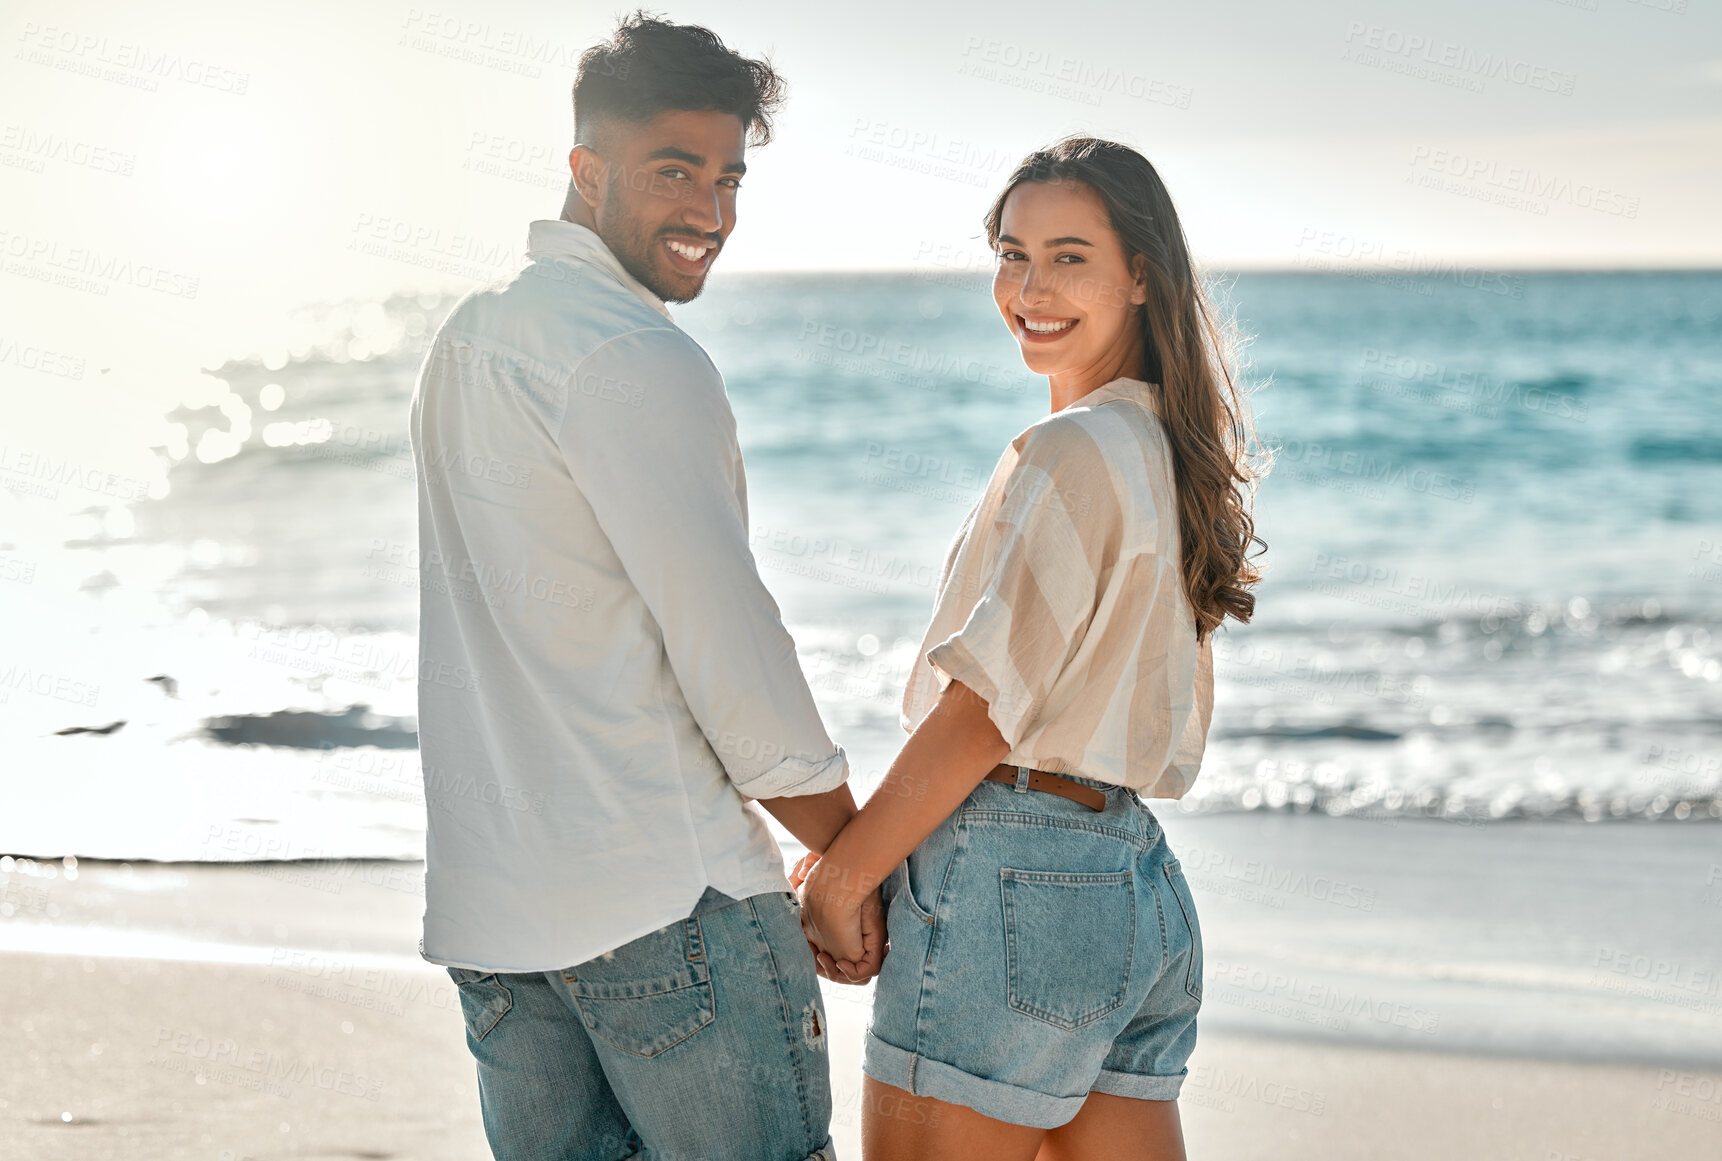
x=1115 y=1128
x=899 y=1126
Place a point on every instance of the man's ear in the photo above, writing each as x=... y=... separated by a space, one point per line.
x=591 y=174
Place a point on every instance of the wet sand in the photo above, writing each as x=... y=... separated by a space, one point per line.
x=279 y=1010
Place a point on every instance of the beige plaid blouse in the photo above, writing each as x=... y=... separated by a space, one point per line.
x=1062 y=604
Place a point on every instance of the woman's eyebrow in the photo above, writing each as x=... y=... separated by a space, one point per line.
x=1068 y=240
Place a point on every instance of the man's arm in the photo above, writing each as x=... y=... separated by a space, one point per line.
x=649 y=437
x=814 y=819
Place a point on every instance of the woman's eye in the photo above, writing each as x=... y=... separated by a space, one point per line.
x=1074 y=258
x=1010 y=255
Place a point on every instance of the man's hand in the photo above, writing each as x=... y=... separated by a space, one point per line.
x=844 y=923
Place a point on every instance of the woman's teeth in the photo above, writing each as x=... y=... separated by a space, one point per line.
x=691 y=253
x=1048 y=328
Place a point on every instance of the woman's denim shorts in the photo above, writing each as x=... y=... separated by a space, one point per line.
x=1040 y=951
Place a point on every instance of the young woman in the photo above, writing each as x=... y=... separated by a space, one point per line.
x=1045 y=966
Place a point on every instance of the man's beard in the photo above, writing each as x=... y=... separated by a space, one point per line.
x=634 y=244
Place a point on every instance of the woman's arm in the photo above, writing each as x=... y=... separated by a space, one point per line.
x=954 y=747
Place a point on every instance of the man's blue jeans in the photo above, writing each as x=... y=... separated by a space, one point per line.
x=702 y=1041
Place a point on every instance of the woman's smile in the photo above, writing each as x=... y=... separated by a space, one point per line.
x=1044 y=330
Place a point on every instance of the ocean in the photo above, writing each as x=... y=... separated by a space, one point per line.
x=1493 y=574
x=1464 y=780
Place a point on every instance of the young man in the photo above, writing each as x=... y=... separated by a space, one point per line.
x=605 y=681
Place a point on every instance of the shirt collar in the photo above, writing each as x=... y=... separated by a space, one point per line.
x=1134 y=390
x=553 y=236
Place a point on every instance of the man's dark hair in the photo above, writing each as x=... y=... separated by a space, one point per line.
x=651 y=65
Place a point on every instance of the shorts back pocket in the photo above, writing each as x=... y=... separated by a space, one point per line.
x=1187 y=908
x=1069 y=941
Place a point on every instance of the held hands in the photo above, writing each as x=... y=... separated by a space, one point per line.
x=844 y=921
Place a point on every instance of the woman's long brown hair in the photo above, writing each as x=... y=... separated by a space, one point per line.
x=1187 y=352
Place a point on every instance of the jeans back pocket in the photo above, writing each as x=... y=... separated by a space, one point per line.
x=1070 y=938
x=484 y=999
x=1193 y=929
x=648 y=995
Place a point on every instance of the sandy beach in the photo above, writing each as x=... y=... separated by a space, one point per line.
x=278 y=1010
x=152 y=1059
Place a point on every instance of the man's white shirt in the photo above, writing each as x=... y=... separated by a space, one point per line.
x=604 y=680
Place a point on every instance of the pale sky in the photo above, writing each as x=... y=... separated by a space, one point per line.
x=285 y=150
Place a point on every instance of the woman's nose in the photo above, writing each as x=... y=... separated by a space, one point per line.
x=1035 y=288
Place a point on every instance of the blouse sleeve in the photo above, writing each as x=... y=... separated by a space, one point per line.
x=1186 y=760
x=1058 y=531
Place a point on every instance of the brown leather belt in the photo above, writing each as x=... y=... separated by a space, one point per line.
x=1052 y=784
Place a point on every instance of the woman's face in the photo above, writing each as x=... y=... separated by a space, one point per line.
x=1062 y=282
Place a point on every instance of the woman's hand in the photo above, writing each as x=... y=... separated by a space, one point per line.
x=844 y=922
x=822 y=961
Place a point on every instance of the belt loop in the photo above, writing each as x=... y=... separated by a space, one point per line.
x=1022 y=773
x=695 y=939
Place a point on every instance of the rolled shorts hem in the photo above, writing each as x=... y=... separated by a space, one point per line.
x=1140 y=1087
x=826 y=1152
x=922 y=1076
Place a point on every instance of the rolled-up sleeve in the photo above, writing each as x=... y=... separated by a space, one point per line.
x=1057 y=530
x=649 y=438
